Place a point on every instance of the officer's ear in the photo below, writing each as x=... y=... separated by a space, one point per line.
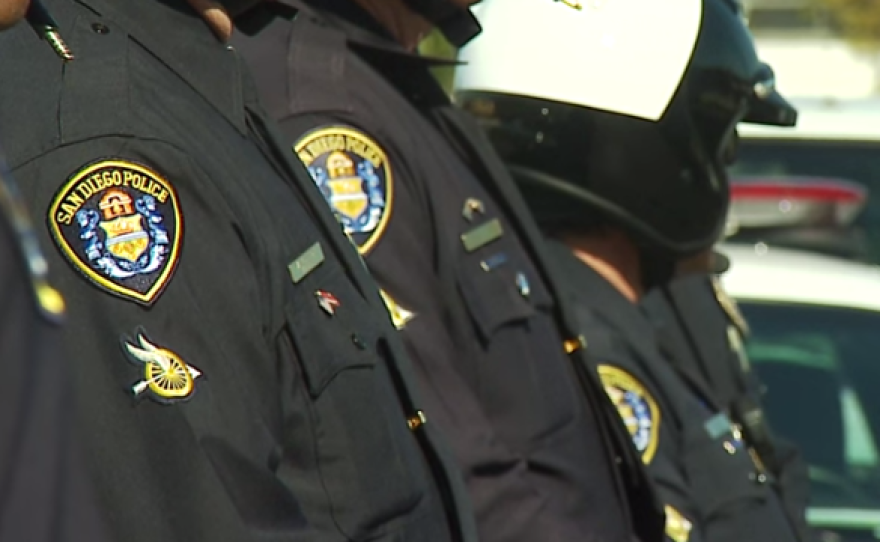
x=701 y=263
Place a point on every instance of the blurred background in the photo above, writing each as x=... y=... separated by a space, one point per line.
x=803 y=238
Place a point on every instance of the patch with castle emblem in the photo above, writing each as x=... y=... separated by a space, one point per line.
x=636 y=407
x=353 y=174
x=119 y=224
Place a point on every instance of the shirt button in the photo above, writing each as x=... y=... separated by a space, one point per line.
x=416 y=420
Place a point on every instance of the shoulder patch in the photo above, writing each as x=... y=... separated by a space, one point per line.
x=636 y=407
x=353 y=174
x=120 y=225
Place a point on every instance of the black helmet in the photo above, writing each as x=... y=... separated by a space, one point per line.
x=643 y=138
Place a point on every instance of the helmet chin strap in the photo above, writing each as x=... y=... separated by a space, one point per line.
x=457 y=24
x=658 y=268
x=238 y=7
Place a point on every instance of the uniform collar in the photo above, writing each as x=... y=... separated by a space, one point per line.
x=174 y=33
x=591 y=290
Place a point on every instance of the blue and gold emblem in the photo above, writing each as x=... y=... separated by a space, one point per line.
x=119 y=224
x=353 y=174
x=636 y=407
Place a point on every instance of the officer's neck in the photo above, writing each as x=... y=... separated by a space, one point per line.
x=614 y=256
x=407 y=27
x=698 y=264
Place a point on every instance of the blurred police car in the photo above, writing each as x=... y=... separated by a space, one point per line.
x=833 y=138
x=814 y=313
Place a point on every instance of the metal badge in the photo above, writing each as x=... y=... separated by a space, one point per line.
x=493 y=261
x=482 y=235
x=306 y=262
x=522 y=282
x=399 y=316
x=472 y=207
x=678 y=528
x=718 y=425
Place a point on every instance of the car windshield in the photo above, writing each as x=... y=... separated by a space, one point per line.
x=853 y=160
x=821 y=369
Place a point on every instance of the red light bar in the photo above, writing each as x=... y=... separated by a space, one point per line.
x=785 y=202
x=821 y=191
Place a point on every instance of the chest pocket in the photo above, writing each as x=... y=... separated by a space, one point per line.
x=721 y=475
x=518 y=367
x=367 y=458
x=499 y=297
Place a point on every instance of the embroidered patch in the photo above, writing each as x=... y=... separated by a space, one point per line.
x=166 y=376
x=353 y=174
x=678 y=528
x=119 y=224
x=636 y=407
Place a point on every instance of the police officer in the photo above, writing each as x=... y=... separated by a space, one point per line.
x=45 y=496
x=706 y=330
x=237 y=376
x=621 y=150
x=439 y=223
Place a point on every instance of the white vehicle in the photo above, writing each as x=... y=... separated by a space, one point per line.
x=815 y=342
x=833 y=139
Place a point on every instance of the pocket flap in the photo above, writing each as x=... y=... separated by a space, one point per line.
x=326 y=343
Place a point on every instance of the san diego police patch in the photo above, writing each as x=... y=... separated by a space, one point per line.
x=119 y=224
x=636 y=407
x=353 y=174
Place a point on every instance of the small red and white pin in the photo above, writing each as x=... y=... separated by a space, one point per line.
x=327 y=301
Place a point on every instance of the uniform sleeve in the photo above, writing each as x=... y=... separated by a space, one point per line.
x=163 y=318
